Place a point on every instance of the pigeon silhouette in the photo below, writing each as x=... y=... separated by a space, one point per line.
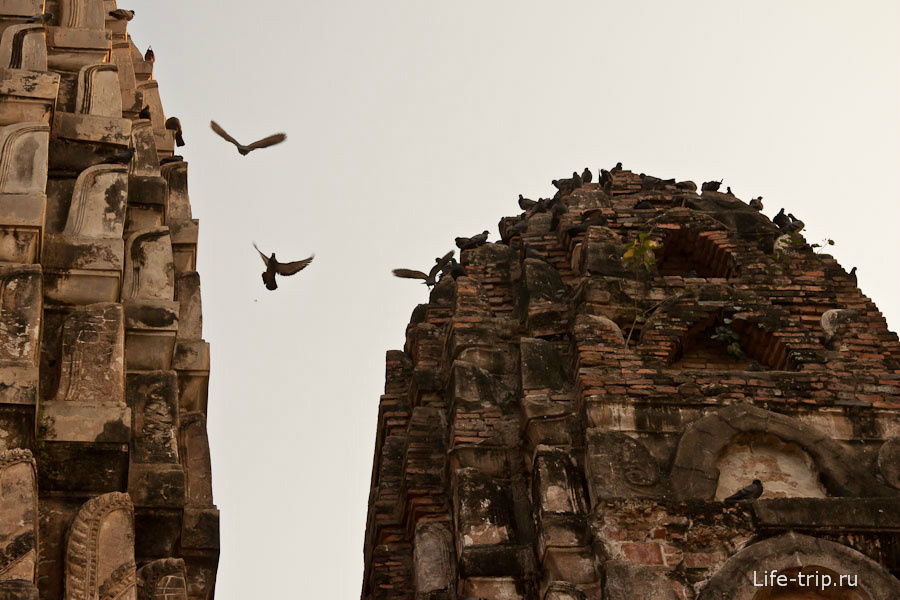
x=119 y=158
x=796 y=224
x=710 y=186
x=756 y=203
x=429 y=279
x=852 y=274
x=121 y=13
x=145 y=113
x=274 y=267
x=456 y=270
x=245 y=150
x=782 y=220
x=149 y=56
x=751 y=492
x=526 y=203
x=467 y=243
x=616 y=168
x=576 y=180
x=171 y=159
x=173 y=124
x=587 y=176
x=41 y=19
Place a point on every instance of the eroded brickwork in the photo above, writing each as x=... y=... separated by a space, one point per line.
x=104 y=459
x=571 y=420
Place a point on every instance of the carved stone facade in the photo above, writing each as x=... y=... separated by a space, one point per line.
x=564 y=423
x=105 y=487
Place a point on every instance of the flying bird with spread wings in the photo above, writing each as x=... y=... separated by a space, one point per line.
x=245 y=150
x=429 y=279
x=274 y=267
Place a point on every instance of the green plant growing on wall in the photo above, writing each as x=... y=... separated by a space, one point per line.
x=639 y=253
x=726 y=334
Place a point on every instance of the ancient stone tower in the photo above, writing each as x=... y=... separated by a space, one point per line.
x=104 y=461
x=565 y=421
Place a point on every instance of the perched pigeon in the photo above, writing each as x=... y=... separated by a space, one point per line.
x=751 y=492
x=591 y=218
x=121 y=13
x=145 y=113
x=171 y=159
x=728 y=191
x=643 y=205
x=245 y=150
x=616 y=168
x=149 y=56
x=756 y=203
x=173 y=124
x=465 y=243
x=852 y=274
x=796 y=224
x=431 y=278
x=41 y=19
x=525 y=203
x=710 y=186
x=453 y=269
x=120 y=158
x=576 y=180
x=284 y=269
x=587 y=176
x=782 y=220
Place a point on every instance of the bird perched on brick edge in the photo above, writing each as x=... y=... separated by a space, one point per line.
x=796 y=224
x=710 y=186
x=121 y=13
x=145 y=113
x=756 y=203
x=245 y=150
x=274 y=267
x=526 y=203
x=149 y=56
x=429 y=279
x=40 y=19
x=782 y=221
x=587 y=176
x=173 y=124
x=467 y=243
x=751 y=492
x=119 y=158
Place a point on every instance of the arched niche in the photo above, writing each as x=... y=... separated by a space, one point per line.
x=690 y=252
x=786 y=469
x=695 y=471
x=697 y=348
x=789 y=554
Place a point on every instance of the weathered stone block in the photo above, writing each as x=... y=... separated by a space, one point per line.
x=27 y=96
x=201 y=528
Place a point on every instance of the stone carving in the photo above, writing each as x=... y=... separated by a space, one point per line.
x=194 y=447
x=889 y=461
x=145 y=162
x=83 y=264
x=179 y=206
x=190 y=316
x=835 y=323
x=27 y=96
x=162 y=579
x=82 y=14
x=18 y=516
x=556 y=483
x=149 y=269
x=20 y=320
x=165 y=138
x=100 y=550
x=93 y=355
x=23 y=47
x=98 y=91
x=23 y=158
x=433 y=564
x=620 y=466
x=560 y=590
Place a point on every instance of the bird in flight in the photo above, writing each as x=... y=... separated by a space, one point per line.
x=284 y=269
x=750 y=492
x=429 y=279
x=245 y=150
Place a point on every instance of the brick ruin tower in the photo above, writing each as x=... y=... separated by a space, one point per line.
x=565 y=421
x=104 y=461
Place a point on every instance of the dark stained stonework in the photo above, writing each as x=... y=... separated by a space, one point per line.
x=105 y=479
x=562 y=424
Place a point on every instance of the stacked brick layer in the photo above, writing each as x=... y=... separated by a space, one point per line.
x=563 y=423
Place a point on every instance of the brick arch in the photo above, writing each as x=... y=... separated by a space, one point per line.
x=734 y=580
x=693 y=241
x=695 y=474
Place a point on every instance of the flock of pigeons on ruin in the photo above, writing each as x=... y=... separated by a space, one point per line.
x=557 y=206
x=273 y=266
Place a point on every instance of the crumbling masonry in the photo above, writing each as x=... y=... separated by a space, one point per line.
x=563 y=424
x=104 y=461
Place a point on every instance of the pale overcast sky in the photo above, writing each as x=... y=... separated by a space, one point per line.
x=412 y=122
